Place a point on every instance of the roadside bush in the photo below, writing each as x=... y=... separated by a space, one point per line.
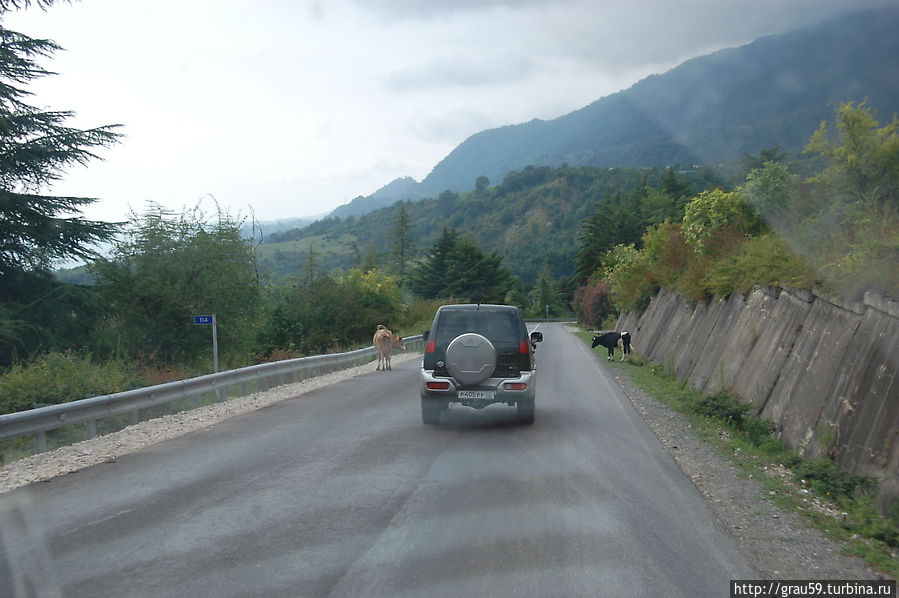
x=736 y=414
x=633 y=281
x=420 y=314
x=826 y=478
x=329 y=313
x=59 y=378
x=714 y=217
x=722 y=406
x=592 y=303
x=764 y=260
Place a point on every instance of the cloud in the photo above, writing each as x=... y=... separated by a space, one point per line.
x=445 y=125
x=459 y=70
x=429 y=9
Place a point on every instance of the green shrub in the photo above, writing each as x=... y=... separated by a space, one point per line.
x=736 y=414
x=826 y=478
x=59 y=378
x=721 y=406
x=764 y=260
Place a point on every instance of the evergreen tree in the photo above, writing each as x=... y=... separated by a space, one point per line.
x=36 y=229
x=402 y=234
x=595 y=239
x=545 y=298
x=36 y=147
x=457 y=268
x=616 y=220
x=429 y=278
x=474 y=276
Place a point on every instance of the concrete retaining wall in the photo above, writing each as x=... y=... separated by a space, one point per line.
x=826 y=373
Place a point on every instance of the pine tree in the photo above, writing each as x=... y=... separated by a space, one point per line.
x=429 y=278
x=36 y=147
x=403 y=245
x=457 y=268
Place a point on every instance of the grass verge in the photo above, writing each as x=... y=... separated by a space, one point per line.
x=839 y=503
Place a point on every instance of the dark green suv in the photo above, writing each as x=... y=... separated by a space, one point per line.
x=477 y=355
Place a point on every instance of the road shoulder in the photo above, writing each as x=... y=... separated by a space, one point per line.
x=778 y=544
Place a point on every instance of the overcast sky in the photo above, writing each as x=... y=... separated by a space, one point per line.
x=291 y=108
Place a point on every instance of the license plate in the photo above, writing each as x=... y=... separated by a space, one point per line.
x=475 y=394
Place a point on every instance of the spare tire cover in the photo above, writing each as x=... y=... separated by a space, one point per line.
x=470 y=358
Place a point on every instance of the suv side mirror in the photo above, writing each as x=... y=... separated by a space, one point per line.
x=425 y=335
x=536 y=337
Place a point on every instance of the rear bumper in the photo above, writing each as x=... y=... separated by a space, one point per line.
x=504 y=390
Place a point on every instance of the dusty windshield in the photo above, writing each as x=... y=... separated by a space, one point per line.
x=225 y=228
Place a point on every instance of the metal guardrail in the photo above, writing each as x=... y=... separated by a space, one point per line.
x=569 y=320
x=39 y=421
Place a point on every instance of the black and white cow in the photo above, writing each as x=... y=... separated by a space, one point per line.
x=610 y=340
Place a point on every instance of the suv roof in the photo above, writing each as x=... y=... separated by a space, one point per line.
x=477 y=306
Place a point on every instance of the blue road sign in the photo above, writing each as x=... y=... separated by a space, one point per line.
x=202 y=320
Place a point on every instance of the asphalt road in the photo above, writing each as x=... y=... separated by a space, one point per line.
x=344 y=492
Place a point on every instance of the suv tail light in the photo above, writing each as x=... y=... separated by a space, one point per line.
x=437 y=385
x=431 y=346
x=524 y=347
x=514 y=386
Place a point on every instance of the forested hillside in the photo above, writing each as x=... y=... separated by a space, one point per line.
x=533 y=218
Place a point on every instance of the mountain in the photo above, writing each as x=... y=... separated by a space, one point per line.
x=772 y=92
x=401 y=188
x=271 y=227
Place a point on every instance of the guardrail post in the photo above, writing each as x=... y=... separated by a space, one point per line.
x=91 y=429
x=133 y=417
x=40 y=442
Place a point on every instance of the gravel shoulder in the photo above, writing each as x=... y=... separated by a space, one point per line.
x=779 y=544
x=776 y=543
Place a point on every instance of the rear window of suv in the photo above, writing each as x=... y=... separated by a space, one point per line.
x=496 y=325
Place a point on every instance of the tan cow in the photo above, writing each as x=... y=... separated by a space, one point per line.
x=385 y=342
